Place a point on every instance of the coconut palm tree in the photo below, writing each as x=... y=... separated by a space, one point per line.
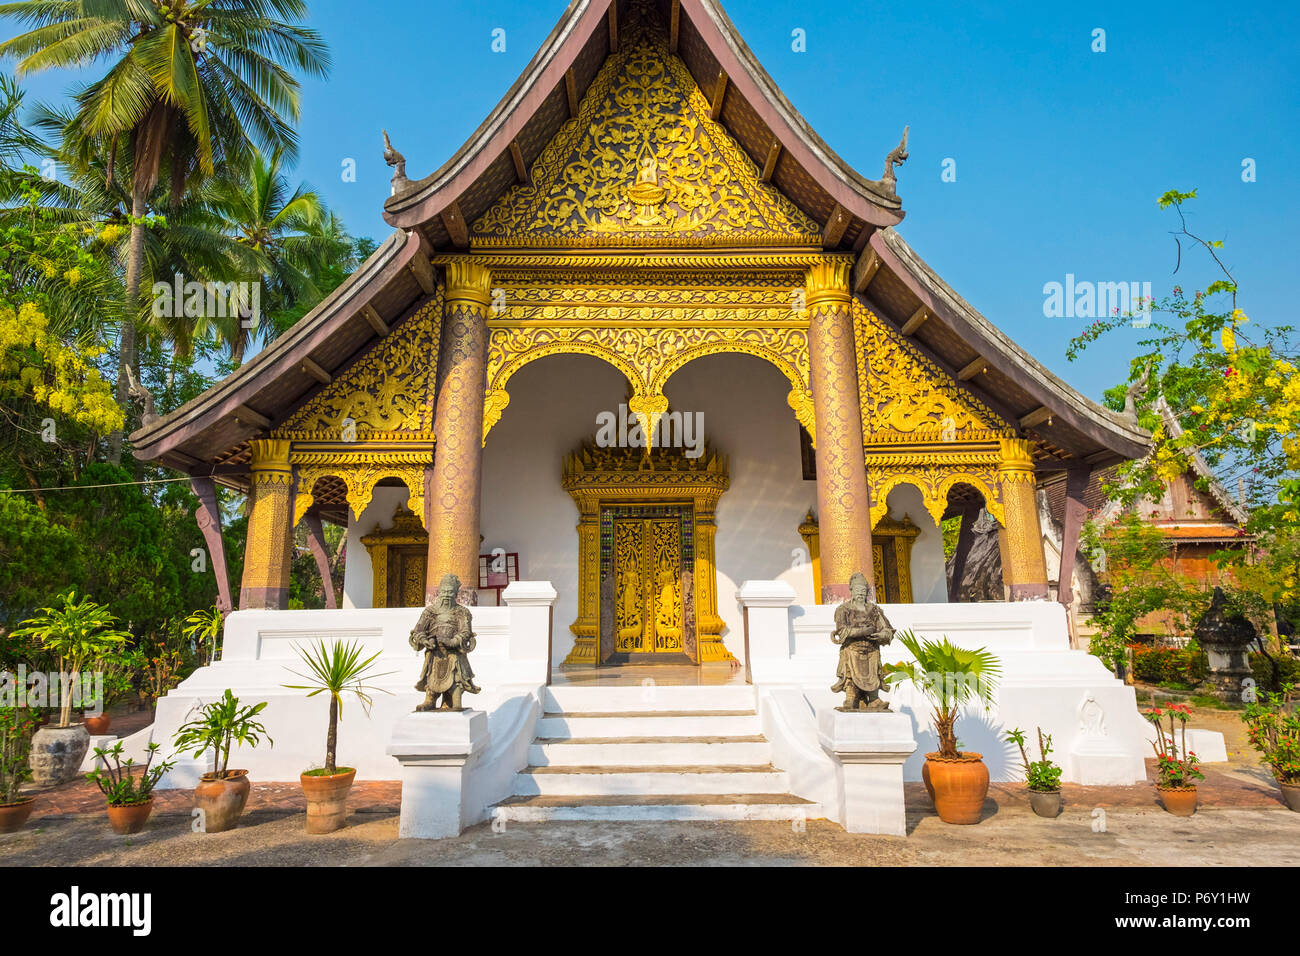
x=191 y=84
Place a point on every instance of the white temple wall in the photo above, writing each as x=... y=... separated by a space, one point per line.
x=358 y=574
x=929 y=575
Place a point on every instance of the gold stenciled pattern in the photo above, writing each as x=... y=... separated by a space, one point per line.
x=643 y=162
x=389 y=389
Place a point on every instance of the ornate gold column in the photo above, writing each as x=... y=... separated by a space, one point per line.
x=454 y=488
x=1024 y=569
x=270 y=527
x=586 y=628
x=843 y=507
x=708 y=625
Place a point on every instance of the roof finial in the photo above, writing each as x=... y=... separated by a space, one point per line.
x=395 y=159
x=896 y=157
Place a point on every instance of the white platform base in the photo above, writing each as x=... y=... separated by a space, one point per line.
x=870 y=749
x=437 y=751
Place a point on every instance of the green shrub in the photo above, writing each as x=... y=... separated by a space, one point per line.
x=1170 y=665
x=1288 y=669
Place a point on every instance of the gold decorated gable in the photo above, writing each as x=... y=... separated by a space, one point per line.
x=643 y=164
x=387 y=392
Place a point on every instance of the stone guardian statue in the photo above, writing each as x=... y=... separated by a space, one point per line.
x=444 y=634
x=861 y=628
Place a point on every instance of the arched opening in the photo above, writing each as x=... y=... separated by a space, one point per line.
x=907 y=547
x=973 y=565
x=386 y=551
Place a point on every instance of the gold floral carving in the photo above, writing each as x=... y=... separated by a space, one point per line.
x=388 y=391
x=644 y=164
x=934 y=480
x=360 y=472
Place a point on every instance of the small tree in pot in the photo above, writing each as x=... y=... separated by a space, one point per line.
x=1042 y=776
x=334 y=671
x=1177 y=768
x=17 y=724
x=222 y=793
x=950 y=677
x=77 y=634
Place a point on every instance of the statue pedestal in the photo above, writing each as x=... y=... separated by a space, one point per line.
x=436 y=751
x=869 y=751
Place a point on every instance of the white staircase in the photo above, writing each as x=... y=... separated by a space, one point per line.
x=651 y=753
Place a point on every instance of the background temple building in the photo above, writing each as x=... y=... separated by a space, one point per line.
x=643 y=227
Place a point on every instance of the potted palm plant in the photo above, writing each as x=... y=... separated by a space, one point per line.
x=335 y=670
x=222 y=793
x=77 y=634
x=1042 y=776
x=950 y=677
x=130 y=797
x=1274 y=730
x=1177 y=768
x=17 y=725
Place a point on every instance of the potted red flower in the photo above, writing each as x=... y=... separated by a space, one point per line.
x=16 y=728
x=1177 y=769
x=130 y=797
x=1274 y=730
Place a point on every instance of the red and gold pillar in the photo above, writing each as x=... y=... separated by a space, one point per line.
x=452 y=502
x=270 y=527
x=843 y=507
x=1024 y=568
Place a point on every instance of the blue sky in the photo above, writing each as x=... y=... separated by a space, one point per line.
x=1060 y=151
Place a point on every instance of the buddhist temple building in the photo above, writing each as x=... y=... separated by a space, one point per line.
x=644 y=336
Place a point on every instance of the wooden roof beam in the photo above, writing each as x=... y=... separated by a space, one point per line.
x=916 y=321
x=719 y=94
x=970 y=370
x=674 y=25
x=836 y=223
x=375 y=319
x=246 y=416
x=316 y=372
x=571 y=92
x=454 y=223
x=521 y=169
x=769 y=164
x=613 y=26
x=864 y=270
x=1036 y=417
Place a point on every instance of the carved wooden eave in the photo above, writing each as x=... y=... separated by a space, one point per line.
x=752 y=109
x=208 y=434
x=1068 y=429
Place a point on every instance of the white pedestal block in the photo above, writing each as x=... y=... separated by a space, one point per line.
x=870 y=750
x=436 y=751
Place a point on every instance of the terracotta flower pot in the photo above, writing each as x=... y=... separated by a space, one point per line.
x=14 y=815
x=1291 y=795
x=327 y=799
x=1046 y=803
x=98 y=726
x=222 y=800
x=57 y=753
x=1180 y=801
x=958 y=785
x=129 y=818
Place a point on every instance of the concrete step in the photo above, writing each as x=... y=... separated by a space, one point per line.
x=649 y=697
x=650 y=751
x=663 y=807
x=649 y=780
x=713 y=723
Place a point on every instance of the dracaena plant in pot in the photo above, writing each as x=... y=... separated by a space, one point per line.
x=1177 y=768
x=1042 y=776
x=950 y=677
x=17 y=724
x=222 y=793
x=78 y=634
x=129 y=795
x=333 y=670
x=1274 y=730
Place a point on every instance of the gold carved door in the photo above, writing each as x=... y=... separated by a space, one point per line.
x=647 y=585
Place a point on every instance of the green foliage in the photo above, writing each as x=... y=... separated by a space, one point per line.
x=203 y=629
x=38 y=558
x=118 y=781
x=951 y=528
x=17 y=724
x=1042 y=774
x=1273 y=728
x=1164 y=665
x=78 y=634
x=950 y=677
x=336 y=670
x=1288 y=670
x=221 y=725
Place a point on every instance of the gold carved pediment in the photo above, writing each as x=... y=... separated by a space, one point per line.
x=643 y=163
x=388 y=392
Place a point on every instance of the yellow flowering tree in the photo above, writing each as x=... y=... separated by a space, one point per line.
x=1232 y=388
